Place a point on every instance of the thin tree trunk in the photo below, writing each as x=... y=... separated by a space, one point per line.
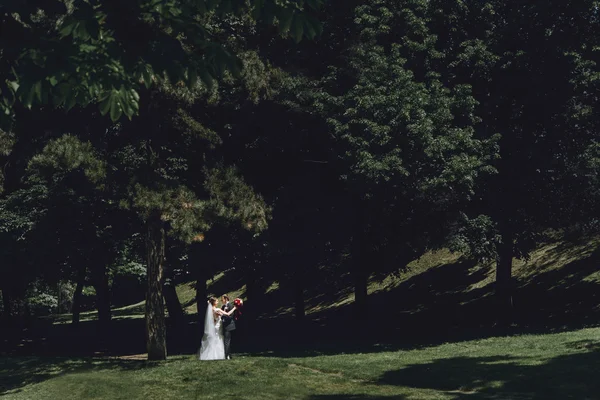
x=201 y=296
x=299 y=299
x=76 y=307
x=176 y=313
x=58 y=298
x=201 y=287
x=174 y=308
x=360 y=290
x=360 y=275
x=504 y=280
x=102 y=296
x=7 y=304
x=252 y=294
x=358 y=248
x=156 y=333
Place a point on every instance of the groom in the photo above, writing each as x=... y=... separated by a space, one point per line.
x=228 y=325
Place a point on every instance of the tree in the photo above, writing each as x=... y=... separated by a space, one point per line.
x=533 y=71
x=405 y=142
x=18 y=215
x=171 y=176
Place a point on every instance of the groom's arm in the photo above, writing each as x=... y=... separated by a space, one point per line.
x=228 y=313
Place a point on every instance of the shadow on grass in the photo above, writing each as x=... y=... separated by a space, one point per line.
x=124 y=336
x=16 y=373
x=354 y=397
x=592 y=345
x=570 y=376
x=561 y=297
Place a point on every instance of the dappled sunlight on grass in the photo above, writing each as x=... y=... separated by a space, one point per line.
x=186 y=293
x=274 y=286
x=554 y=256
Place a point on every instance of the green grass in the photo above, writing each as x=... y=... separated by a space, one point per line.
x=552 y=366
x=557 y=286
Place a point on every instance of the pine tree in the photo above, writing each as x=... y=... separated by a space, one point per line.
x=174 y=180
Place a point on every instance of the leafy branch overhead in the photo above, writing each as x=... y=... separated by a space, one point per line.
x=229 y=200
x=103 y=52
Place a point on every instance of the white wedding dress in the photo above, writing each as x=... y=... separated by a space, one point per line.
x=213 y=346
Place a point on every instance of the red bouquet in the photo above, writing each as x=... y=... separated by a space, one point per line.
x=239 y=305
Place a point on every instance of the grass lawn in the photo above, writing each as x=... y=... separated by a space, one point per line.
x=552 y=366
x=557 y=288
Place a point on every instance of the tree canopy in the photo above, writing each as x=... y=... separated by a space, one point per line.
x=68 y=53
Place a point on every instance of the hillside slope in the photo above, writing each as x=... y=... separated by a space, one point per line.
x=557 y=285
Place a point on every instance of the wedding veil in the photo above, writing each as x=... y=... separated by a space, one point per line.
x=209 y=323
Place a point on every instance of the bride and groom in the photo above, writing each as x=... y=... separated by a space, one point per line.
x=218 y=325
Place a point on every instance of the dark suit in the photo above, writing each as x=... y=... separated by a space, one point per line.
x=228 y=327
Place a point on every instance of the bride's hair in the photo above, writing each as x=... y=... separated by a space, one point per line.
x=212 y=300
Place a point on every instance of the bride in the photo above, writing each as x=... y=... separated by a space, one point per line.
x=213 y=347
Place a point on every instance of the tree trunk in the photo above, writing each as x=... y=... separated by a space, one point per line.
x=156 y=333
x=252 y=295
x=58 y=299
x=176 y=314
x=504 y=280
x=7 y=304
x=201 y=297
x=76 y=307
x=299 y=300
x=102 y=296
x=360 y=274
x=360 y=290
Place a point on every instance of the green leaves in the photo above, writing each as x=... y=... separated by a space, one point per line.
x=65 y=95
x=64 y=155
x=233 y=200
x=83 y=24
x=93 y=53
x=187 y=215
x=297 y=25
x=398 y=131
x=119 y=102
x=145 y=75
x=28 y=92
